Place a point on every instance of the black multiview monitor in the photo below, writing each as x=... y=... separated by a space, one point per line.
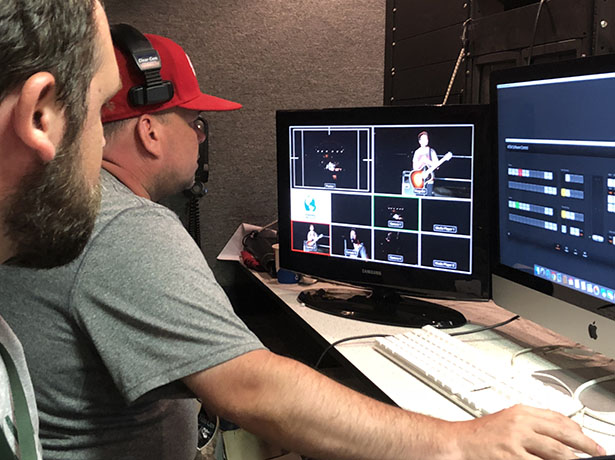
x=393 y=199
x=555 y=258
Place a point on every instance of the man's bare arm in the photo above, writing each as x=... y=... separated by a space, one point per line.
x=289 y=404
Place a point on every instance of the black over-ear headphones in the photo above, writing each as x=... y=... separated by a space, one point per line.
x=135 y=44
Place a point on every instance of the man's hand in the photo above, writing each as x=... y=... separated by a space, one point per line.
x=524 y=433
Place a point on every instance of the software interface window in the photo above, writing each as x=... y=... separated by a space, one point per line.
x=395 y=194
x=557 y=180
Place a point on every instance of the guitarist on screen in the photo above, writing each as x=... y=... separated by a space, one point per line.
x=311 y=239
x=424 y=162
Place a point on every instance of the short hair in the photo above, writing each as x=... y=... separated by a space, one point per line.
x=110 y=128
x=55 y=36
x=422 y=133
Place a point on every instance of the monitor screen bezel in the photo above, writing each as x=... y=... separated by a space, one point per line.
x=410 y=280
x=561 y=69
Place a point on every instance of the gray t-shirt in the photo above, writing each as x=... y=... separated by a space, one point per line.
x=108 y=336
x=7 y=415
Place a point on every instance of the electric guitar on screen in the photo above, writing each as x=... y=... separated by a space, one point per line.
x=312 y=243
x=420 y=176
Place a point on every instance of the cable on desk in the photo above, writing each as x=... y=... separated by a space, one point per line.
x=557 y=380
x=486 y=328
x=598 y=415
x=544 y=349
x=591 y=428
x=347 y=339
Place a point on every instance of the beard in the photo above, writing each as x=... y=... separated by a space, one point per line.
x=51 y=215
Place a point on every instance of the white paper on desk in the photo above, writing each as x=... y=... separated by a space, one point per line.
x=234 y=246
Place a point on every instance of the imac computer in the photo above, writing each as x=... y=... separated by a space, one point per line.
x=555 y=250
x=393 y=199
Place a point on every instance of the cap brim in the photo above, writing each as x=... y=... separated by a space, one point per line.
x=206 y=102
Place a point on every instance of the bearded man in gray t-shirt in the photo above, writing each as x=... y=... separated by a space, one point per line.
x=55 y=78
x=122 y=338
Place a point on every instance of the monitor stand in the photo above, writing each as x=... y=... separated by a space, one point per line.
x=383 y=306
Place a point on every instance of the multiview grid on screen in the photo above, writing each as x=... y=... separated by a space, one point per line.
x=393 y=194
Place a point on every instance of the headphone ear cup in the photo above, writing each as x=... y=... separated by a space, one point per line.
x=152 y=94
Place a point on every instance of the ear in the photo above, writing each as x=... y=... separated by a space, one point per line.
x=148 y=131
x=38 y=119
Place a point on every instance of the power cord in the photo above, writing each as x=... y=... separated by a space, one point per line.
x=347 y=339
x=598 y=415
x=485 y=328
x=543 y=349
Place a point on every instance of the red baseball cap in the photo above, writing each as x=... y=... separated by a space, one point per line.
x=177 y=68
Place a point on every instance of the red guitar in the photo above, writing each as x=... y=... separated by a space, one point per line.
x=311 y=244
x=420 y=176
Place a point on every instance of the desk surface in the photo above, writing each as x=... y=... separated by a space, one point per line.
x=410 y=393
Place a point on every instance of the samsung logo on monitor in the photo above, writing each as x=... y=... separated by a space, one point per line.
x=366 y=271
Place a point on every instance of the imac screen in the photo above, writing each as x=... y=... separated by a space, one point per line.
x=556 y=176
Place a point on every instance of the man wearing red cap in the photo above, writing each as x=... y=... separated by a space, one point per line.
x=139 y=325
